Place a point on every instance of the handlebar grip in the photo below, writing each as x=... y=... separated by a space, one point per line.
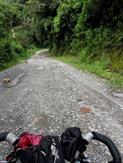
x=112 y=148
x=3 y=136
x=8 y=137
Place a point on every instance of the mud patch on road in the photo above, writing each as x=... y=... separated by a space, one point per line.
x=85 y=110
x=83 y=107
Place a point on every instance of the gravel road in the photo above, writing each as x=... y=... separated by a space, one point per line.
x=47 y=96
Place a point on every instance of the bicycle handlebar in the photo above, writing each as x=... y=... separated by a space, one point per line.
x=3 y=136
x=9 y=137
x=12 y=140
x=108 y=142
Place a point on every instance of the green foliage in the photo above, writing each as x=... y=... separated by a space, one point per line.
x=10 y=17
x=84 y=56
x=5 y=51
x=40 y=16
x=89 y=29
x=64 y=24
x=25 y=37
x=27 y=53
x=13 y=38
x=9 y=50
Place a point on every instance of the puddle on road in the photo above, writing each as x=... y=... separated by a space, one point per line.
x=12 y=82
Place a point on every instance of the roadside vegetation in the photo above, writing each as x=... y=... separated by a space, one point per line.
x=19 y=59
x=98 y=67
x=85 y=33
x=16 y=42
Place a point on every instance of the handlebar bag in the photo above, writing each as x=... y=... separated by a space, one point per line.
x=37 y=149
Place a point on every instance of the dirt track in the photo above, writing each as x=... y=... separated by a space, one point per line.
x=48 y=96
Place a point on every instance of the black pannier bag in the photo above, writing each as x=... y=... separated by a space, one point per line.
x=72 y=144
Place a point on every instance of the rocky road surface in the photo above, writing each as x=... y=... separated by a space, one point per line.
x=47 y=96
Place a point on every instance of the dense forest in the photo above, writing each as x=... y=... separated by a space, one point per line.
x=91 y=29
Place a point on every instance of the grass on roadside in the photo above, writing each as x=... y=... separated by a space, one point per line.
x=27 y=54
x=97 y=67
